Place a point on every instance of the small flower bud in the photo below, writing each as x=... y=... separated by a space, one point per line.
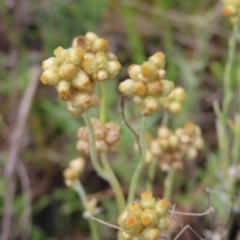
x=149 y=71
x=134 y=209
x=127 y=236
x=70 y=174
x=50 y=63
x=101 y=76
x=147 y=200
x=148 y=157
x=67 y=71
x=149 y=218
x=113 y=68
x=132 y=225
x=95 y=100
x=81 y=100
x=229 y=10
x=101 y=146
x=91 y=36
x=179 y=94
x=164 y=223
x=134 y=71
x=191 y=153
x=64 y=89
x=173 y=141
x=154 y=147
x=154 y=88
x=198 y=143
x=100 y=45
x=78 y=164
x=158 y=59
x=161 y=74
x=82 y=82
x=140 y=88
x=83 y=133
x=150 y=234
x=127 y=87
x=73 y=110
x=83 y=147
x=101 y=60
x=60 y=54
x=89 y=66
x=175 y=107
x=163 y=132
x=50 y=77
x=111 y=56
x=82 y=42
x=162 y=207
x=113 y=133
x=137 y=100
x=75 y=55
x=150 y=105
x=167 y=88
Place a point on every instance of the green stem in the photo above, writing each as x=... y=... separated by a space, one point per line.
x=112 y=179
x=165 y=118
x=232 y=43
x=151 y=173
x=93 y=150
x=103 y=102
x=139 y=168
x=168 y=185
x=82 y=194
x=236 y=141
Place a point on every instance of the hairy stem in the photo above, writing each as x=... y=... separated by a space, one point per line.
x=82 y=194
x=112 y=179
x=139 y=168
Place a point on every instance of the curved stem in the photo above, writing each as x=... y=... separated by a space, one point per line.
x=151 y=173
x=112 y=179
x=103 y=102
x=139 y=168
x=228 y=69
x=168 y=185
x=77 y=186
x=93 y=150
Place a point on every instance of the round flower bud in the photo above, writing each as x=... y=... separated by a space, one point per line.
x=175 y=107
x=82 y=42
x=64 y=89
x=163 y=132
x=134 y=71
x=158 y=59
x=142 y=78
x=150 y=105
x=173 y=141
x=122 y=218
x=164 y=223
x=113 y=133
x=162 y=207
x=82 y=82
x=78 y=164
x=91 y=36
x=127 y=87
x=134 y=209
x=140 y=88
x=113 y=68
x=67 y=71
x=150 y=234
x=147 y=200
x=73 y=110
x=148 y=157
x=89 y=55
x=101 y=76
x=83 y=147
x=70 y=174
x=132 y=225
x=83 y=133
x=101 y=146
x=229 y=10
x=60 y=54
x=50 y=77
x=50 y=63
x=179 y=94
x=155 y=148
x=138 y=101
x=95 y=100
x=81 y=100
x=75 y=55
x=127 y=236
x=161 y=74
x=154 y=88
x=149 y=218
x=111 y=56
x=149 y=70
x=101 y=60
x=191 y=153
x=198 y=143
x=163 y=143
x=89 y=66
x=100 y=45
x=167 y=88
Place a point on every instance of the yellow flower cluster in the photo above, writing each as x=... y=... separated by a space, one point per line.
x=232 y=10
x=107 y=137
x=74 y=170
x=75 y=71
x=146 y=83
x=146 y=219
x=173 y=102
x=174 y=146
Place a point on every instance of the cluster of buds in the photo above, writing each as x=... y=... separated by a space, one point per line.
x=147 y=84
x=173 y=102
x=174 y=146
x=107 y=137
x=232 y=10
x=74 y=170
x=147 y=219
x=75 y=71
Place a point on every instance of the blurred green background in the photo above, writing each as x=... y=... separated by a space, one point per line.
x=192 y=34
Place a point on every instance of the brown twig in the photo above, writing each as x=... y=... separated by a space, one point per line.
x=127 y=124
x=15 y=146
